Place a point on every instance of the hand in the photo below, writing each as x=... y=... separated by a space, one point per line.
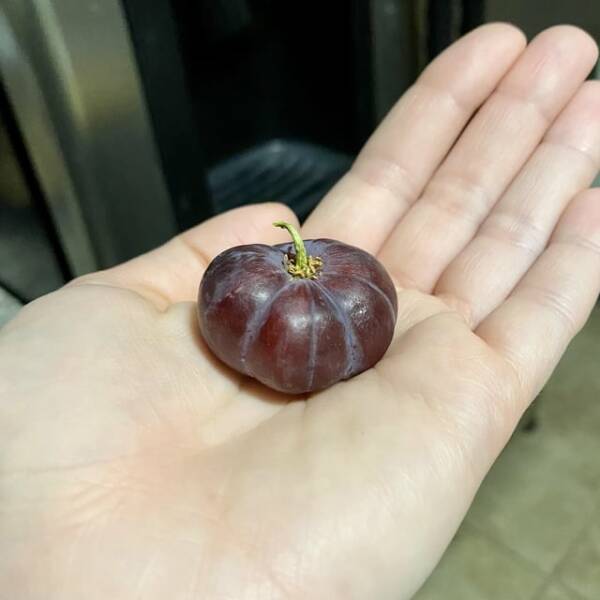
x=134 y=465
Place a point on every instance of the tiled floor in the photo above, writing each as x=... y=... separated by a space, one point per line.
x=533 y=532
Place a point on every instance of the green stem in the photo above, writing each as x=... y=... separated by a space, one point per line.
x=301 y=259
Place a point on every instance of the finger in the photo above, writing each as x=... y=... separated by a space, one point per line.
x=493 y=148
x=405 y=150
x=553 y=301
x=172 y=272
x=518 y=228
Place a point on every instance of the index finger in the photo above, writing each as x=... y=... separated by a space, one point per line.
x=405 y=150
x=172 y=272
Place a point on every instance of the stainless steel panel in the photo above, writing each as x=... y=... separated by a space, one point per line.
x=70 y=73
x=9 y=307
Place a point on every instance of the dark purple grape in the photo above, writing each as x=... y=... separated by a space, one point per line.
x=298 y=316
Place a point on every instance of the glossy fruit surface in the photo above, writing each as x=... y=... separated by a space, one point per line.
x=299 y=332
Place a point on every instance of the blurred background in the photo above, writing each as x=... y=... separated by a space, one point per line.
x=123 y=122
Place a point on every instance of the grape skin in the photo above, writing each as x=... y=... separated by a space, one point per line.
x=297 y=335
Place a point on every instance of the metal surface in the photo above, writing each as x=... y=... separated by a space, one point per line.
x=31 y=253
x=9 y=306
x=70 y=74
x=296 y=173
x=160 y=53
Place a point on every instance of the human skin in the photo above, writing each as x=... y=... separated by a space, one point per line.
x=135 y=465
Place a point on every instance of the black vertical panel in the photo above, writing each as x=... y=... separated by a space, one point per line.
x=439 y=18
x=264 y=69
x=362 y=35
x=155 y=39
x=473 y=12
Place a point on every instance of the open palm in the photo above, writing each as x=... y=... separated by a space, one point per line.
x=135 y=465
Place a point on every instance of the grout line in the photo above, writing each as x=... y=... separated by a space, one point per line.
x=514 y=553
x=543 y=587
x=552 y=579
x=511 y=551
x=548 y=576
x=574 y=593
x=580 y=536
x=482 y=531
